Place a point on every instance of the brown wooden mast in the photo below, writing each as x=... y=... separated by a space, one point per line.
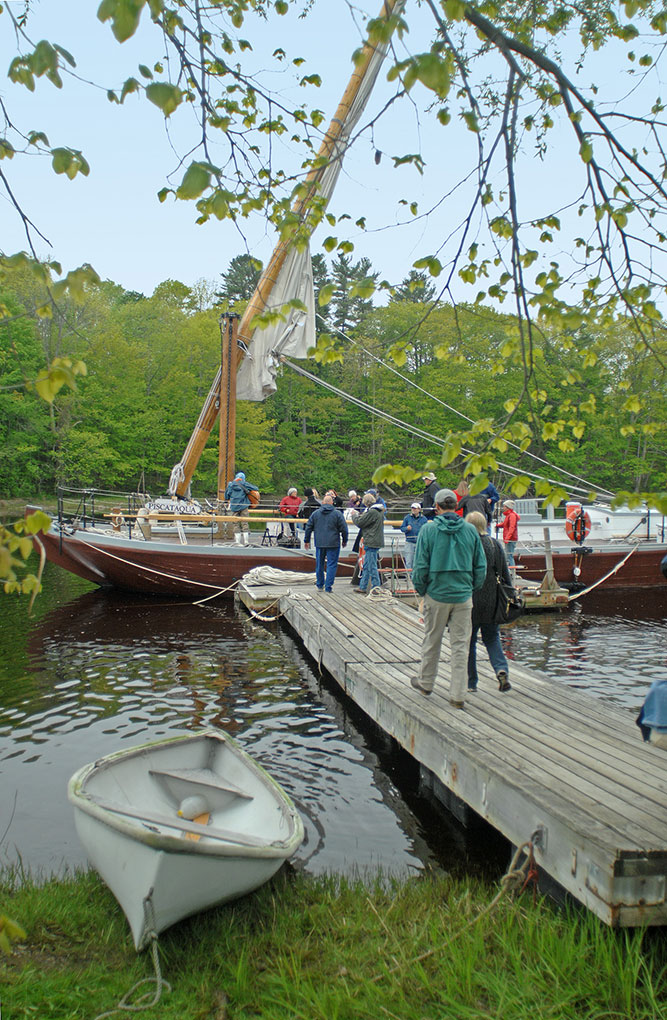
x=260 y=298
x=227 y=400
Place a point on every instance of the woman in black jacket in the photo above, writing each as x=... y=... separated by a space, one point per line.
x=484 y=608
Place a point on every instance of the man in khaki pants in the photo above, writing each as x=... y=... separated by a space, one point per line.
x=449 y=564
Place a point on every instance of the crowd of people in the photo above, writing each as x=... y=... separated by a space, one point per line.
x=454 y=561
x=456 y=567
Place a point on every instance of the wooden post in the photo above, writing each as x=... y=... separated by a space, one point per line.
x=227 y=401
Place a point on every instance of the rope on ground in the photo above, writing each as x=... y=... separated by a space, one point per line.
x=516 y=878
x=124 y=1006
x=613 y=570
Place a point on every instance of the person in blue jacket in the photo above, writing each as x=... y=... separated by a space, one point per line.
x=329 y=527
x=411 y=526
x=238 y=501
x=652 y=719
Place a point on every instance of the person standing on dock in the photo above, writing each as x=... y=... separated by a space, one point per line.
x=329 y=527
x=371 y=529
x=510 y=528
x=484 y=602
x=449 y=564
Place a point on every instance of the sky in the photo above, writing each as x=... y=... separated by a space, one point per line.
x=113 y=218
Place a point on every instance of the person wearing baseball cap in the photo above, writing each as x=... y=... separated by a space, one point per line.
x=411 y=526
x=428 y=499
x=449 y=564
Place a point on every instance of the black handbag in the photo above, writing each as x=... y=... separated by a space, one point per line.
x=509 y=603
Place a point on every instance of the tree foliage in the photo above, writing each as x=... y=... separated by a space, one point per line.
x=574 y=265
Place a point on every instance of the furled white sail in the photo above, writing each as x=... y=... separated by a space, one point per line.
x=295 y=333
x=291 y=336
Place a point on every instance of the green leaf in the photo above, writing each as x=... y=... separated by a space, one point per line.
x=37 y=521
x=586 y=150
x=165 y=96
x=325 y=295
x=195 y=181
x=124 y=16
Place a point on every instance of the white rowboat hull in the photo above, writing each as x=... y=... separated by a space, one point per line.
x=162 y=867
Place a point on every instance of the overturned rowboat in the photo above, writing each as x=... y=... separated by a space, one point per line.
x=179 y=825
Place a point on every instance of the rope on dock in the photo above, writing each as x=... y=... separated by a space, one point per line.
x=515 y=879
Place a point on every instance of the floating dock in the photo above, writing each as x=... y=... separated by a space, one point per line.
x=543 y=762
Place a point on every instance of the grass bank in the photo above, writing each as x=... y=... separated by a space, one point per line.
x=331 y=949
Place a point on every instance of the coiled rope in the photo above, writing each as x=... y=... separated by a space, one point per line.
x=124 y=1006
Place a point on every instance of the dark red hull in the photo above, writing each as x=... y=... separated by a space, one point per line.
x=640 y=570
x=159 y=567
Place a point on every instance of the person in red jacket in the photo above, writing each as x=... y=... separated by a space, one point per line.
x=509 y=525
x=289 y=505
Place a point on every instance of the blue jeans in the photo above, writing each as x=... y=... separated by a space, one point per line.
x=370 y=571
x=328 y=558
x=509 y=551
x=491 y=638
x=409 y=554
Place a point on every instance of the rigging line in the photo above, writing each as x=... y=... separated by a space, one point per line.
x=412 y=429
x=465 y=417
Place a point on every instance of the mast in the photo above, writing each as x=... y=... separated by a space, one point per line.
x=182 y=473
x=227 y=400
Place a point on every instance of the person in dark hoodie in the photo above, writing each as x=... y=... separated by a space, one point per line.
x=329 y=527
x=449 y=564
x=310 y=504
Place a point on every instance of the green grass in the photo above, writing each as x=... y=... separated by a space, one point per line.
x=331 y=949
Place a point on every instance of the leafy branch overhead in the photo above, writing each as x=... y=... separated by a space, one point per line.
x=553 y=201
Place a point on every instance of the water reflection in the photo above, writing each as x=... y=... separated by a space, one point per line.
x=93 y=671
x=104 y=669
x=612 y=644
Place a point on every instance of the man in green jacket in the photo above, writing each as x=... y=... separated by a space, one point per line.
x=449 y=564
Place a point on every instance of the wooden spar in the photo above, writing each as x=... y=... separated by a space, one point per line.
x=260 y=298
x=227 y=401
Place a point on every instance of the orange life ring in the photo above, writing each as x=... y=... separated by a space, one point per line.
x=577 y=522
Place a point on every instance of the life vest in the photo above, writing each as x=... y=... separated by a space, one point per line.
x=577 y=522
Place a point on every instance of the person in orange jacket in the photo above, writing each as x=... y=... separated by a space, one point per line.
x=510 y=528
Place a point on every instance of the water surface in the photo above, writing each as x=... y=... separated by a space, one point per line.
x=92 y=672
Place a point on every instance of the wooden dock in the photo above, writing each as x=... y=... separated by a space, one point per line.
x=543 y=762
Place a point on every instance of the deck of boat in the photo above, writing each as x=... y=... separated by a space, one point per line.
x=544 y=762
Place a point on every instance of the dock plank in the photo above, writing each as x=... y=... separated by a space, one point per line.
x=543 y=761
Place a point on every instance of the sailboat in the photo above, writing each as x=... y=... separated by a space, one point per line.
x=145 y=547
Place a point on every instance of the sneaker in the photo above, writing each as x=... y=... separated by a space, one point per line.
x=318 y=588
x=472 y=685
x=503 y=682
x=414 y=681
x=456 y=704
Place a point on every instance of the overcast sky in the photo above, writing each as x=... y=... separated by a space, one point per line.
x=113 y=218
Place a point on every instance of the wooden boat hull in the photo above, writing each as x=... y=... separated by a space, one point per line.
x=161 y=867
x=164 y=568
x=640 y=570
